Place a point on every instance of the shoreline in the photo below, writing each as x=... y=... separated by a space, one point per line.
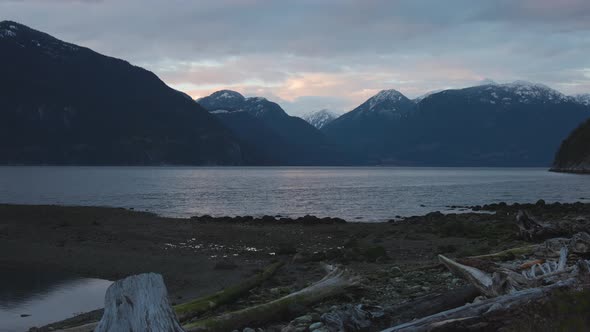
x=202 y=255
x=570 y=170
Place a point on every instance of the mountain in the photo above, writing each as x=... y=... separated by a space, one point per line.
x=419 y=98
x=514 y=124
x=583 y=99
x=364 y=132
x=574 y=153
x=277 y=137
x=320 y=118
x=65 y=104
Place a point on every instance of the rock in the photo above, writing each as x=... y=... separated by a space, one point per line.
x=315 y=317
x=321 y=329
x=247 y=329
x=268 y=219
x=25 y=315
x=307 y=319
x=316 y=326
x=138 y=303
x=479 y=299
x=580 y=243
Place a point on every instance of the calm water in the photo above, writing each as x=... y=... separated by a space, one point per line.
x=368 y=194
x=45 y=296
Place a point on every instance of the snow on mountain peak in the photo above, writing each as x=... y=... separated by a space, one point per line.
x=529 y=91
x=385 y=96
x=7 y=29
x=390 y=94
x=227 y=95
x=526 y=93
x=320 y=118
x=583 y=99
x=256 y=99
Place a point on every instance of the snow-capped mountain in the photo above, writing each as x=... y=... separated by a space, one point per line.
x=583 y=99
x=264 y=124
x=368 y=125
x=515 y=92
x=513 y=124
x=232 y=101
x=390 y=102
x=519 y=92
x=25 y=37
x=320 y=118
x=427 y=94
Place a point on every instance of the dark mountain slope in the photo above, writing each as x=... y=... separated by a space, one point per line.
x=574 y=153
x=265 y=125
x=65 y=104
x=364 y=132
x=517 y=124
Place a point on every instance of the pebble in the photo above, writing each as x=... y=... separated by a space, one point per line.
x=306 y=319
x=316 y=326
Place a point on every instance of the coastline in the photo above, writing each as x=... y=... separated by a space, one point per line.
x=202 y=255
x=571 y=170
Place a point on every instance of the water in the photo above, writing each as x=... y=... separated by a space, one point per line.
x=47 y=296
x=352 y=193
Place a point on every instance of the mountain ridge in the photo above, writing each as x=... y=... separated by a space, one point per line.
x=510 y=124
x=300 y=142
x=67 y=104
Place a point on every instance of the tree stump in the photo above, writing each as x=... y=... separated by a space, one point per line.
x=138 y=303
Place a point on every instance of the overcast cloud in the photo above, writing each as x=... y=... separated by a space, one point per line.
x=313 y=54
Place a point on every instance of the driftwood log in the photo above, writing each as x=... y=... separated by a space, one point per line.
x=201 y=305
x=336 y=282
x=545 y=266
x=138 y=303
x=475 y=313
x=531 y=229
x=512 y=285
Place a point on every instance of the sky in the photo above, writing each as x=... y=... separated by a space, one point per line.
x=314 y=54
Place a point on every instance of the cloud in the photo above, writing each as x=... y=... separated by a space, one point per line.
x=309 y=54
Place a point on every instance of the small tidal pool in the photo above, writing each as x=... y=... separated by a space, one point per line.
x=35 y=297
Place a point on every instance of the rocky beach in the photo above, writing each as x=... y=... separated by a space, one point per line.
x=396 y=262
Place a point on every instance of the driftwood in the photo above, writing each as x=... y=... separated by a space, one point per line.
x=201 y=305
x=430 y=304
x=530 y=229
x=508 y=289
x=508 y=254
x=511 y=277
x=475 y=313
x=336 y=282
x=138 y=303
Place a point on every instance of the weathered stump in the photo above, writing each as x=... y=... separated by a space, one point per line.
x=138 y=303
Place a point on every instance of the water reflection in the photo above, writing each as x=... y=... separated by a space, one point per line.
x=352 y=193
x=34 y=297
